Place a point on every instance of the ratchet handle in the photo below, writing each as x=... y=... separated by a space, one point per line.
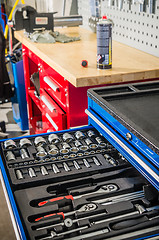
x=44 y=203
x=50 y=216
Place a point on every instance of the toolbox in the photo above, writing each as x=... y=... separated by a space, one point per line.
x=99 y=181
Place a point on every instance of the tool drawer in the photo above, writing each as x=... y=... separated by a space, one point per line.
x=53 y=83
x=52 y=114
x=90 y=182
x=73 y=185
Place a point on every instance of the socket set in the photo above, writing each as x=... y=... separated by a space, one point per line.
x=58 y=155
x=76 y=185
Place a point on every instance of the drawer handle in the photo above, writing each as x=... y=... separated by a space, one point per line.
x=53 y=86
x=49 y=105
x=51 y=121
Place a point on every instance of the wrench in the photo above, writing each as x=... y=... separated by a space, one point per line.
x=85 y=208
x=68 y=222
x=104 y=189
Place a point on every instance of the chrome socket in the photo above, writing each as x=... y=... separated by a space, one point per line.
x=24 y=153
x=111 y=160
x=98 y=151
x=73 y=155
x=53 y=150
x=88 y=141
x=19 y=174
x=66 y=145
x=79 y=135
x=55 y=169
x=44 y=170
x=67 y=137
x=86 y=163
x=39 y=141
x=83 y=148
x=10 y=156
x=79 y=154
x=93 y=146
x=41 y=152
x=53 y=138
x=74 y=149
x=64 y=151
x=102 y=145
x=66 y=167
x=91 y=133
x=99 y=140
x=31 y=172
x=76 y=165
x=97 y=163
x=77 y=143
x=86 y=153
x=9 y=144
x=25 y=142
x=92 y=152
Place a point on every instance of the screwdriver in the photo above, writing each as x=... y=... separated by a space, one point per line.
x=104 y=189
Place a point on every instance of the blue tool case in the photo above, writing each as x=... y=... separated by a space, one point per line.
x=94 y=182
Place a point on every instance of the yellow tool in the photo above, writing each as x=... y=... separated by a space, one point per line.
x=10 y=16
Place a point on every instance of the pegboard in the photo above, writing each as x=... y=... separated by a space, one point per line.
x=132 y=26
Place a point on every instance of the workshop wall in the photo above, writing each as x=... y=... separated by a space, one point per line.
x=135 y=24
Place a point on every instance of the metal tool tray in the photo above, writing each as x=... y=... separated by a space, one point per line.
x=132 y=111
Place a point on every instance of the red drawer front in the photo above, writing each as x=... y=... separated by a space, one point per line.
x=52 y=114
x=54 y=84
x=31 y=55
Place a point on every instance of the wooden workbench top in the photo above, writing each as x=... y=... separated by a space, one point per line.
x=128 y=64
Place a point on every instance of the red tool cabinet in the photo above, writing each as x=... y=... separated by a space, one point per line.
x=60 y=106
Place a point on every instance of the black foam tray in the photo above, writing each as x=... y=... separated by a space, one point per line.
x=135 y=106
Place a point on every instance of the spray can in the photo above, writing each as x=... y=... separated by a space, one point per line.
x=104 y=43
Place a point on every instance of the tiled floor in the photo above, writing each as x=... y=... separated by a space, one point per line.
x=12 y=130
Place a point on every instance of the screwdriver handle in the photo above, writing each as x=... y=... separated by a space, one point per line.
x=44 y=203
x=50 y=215
x=129 y=223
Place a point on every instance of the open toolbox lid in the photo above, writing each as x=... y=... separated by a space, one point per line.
x=128 y=116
